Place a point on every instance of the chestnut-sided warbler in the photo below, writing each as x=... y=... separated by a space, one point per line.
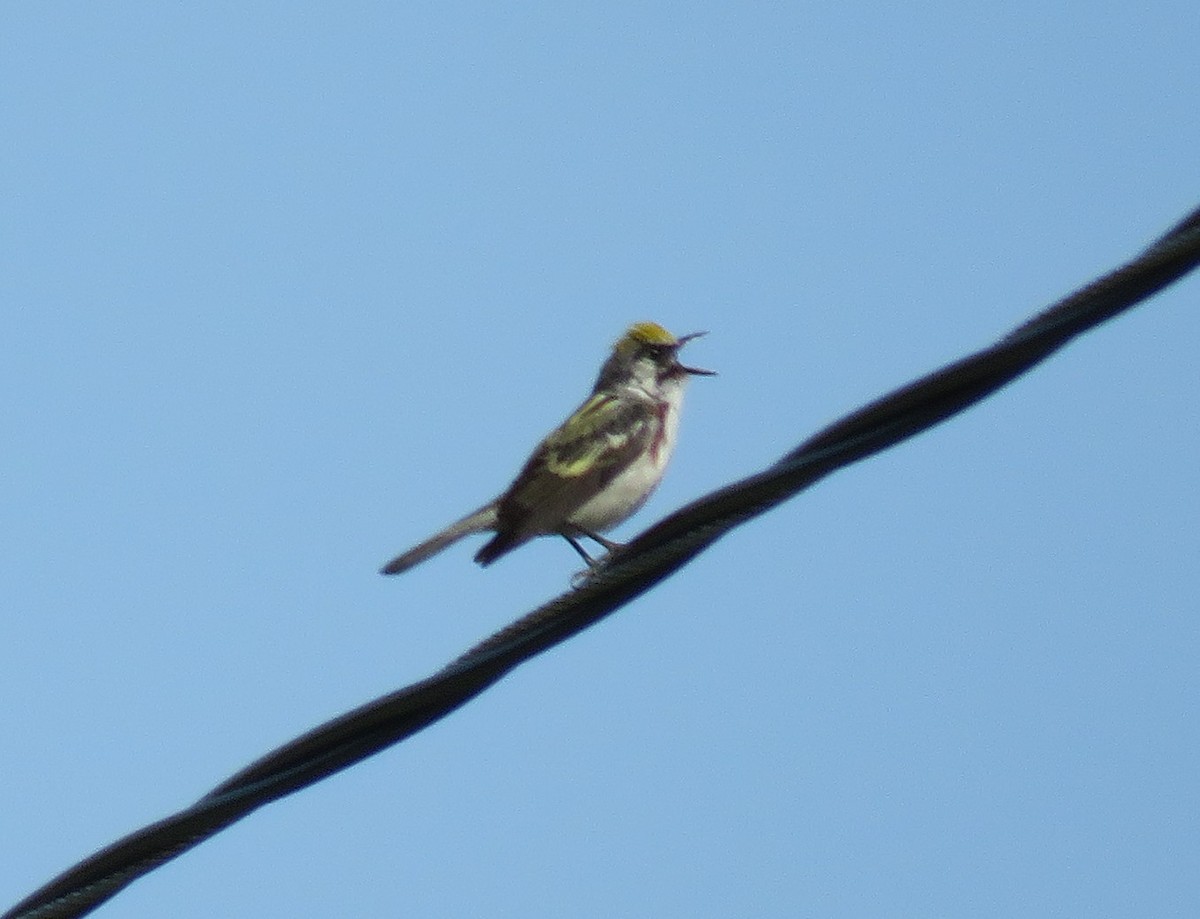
x=597 y=467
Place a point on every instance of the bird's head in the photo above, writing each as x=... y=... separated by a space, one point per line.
x=647 y=354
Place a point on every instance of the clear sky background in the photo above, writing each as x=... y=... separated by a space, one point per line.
x=287 y=286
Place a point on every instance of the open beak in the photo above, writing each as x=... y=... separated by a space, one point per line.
x=695 y=371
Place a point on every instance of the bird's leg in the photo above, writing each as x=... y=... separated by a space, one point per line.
x=569 y=537
x=571 y=534
x=597 y=538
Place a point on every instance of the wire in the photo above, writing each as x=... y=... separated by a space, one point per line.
x=625 y=574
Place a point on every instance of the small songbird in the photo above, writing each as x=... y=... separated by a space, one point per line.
x=598 y=467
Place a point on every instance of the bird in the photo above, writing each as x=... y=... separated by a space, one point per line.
x=595 y=469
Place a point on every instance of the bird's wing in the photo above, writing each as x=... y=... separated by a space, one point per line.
x=577 y=460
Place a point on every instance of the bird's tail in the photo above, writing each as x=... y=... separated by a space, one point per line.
x=475 y=522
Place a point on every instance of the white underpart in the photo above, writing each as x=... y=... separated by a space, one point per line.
x=629 y=490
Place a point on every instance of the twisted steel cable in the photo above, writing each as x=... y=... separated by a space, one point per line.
x=627 y=573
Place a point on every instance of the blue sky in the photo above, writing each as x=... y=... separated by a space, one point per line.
x=289 y=286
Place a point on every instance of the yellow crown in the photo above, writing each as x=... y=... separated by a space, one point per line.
x=648 y=333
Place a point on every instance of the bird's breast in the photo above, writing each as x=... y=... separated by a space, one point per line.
x=630 y=488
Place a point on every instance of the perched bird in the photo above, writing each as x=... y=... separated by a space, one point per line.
x=598 y=467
